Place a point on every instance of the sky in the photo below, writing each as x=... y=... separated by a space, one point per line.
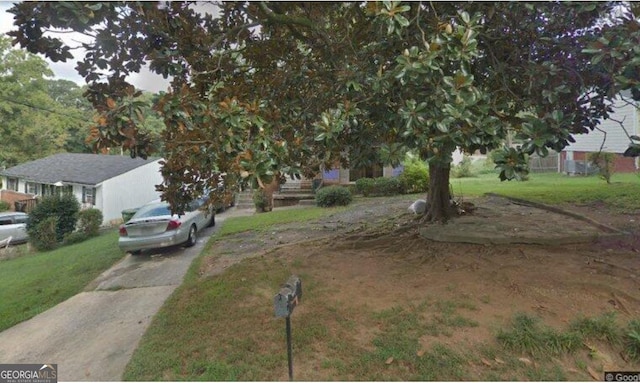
x=145 y=80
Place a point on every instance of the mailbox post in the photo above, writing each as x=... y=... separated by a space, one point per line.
x=284 y=302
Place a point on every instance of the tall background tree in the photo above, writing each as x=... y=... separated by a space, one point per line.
x=261 y=89
x=40 y=115
x=26 y=129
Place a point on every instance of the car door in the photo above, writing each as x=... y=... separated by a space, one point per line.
x=13 y=226
x=197 y=215
x=20 y=230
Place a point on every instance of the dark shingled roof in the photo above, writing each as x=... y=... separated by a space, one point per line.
x=87 y=169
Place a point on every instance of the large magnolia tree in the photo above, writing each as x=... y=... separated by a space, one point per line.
x=264 y=89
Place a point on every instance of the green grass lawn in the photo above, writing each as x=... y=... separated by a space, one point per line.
x=35 y=282
x=553 y=188
x=264 y=221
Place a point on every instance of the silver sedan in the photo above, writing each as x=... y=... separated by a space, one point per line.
x=153 y=226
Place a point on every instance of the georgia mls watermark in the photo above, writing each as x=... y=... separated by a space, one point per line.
x=28 y=373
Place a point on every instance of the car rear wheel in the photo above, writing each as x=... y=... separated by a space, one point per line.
x=193 y=236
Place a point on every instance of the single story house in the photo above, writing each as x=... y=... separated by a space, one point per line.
x=573 y=158
x=106 y=182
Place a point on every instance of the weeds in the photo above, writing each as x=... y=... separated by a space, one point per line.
x=632 y=341
x=528 y=336
x=603 y=327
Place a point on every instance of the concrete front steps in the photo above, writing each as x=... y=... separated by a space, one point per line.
x=244 y=200
x=293 y=192
x=298 y=192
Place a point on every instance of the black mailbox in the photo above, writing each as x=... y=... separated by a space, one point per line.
x=287 y=299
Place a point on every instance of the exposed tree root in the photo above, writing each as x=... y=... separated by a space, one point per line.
x=381 y=232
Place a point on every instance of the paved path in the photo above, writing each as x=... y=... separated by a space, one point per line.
x=92 y=335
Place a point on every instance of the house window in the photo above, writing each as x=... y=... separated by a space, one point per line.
x=89 y=195
x=12 y=184
x=31 y=188
x=48 y=190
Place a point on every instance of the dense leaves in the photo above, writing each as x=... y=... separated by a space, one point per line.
x=57 y=211
x=260 y=90
x=39 y=116
x=333 y=196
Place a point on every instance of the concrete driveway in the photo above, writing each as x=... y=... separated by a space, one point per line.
x=92 y=335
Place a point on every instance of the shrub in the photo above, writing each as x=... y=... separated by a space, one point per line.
x=415 y=176
x=604 y=162
x=333 y=196
x=463 y=169
x=4 y=206
x=381 y=186
x=89 y=222
x=364 y=186
x=43 y=235
x=62 y=207
x=388 y=186
x=75 y=237
x=260 y=200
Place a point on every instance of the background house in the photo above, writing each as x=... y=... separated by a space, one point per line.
x=108 y=183
x=573 y=157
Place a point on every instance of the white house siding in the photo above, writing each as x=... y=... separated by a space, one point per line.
x=115 y=194
x=616 y=139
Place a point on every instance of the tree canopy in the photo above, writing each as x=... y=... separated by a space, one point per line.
x=264 y=89
x=40 y=115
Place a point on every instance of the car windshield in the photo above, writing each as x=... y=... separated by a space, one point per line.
x=152 y=211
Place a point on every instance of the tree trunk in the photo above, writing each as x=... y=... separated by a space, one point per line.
x=269 y=189
x=438 y=198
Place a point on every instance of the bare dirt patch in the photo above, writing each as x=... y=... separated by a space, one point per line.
x=376 y=252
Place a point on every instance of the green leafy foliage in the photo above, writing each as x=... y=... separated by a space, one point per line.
x=40 y=116
x=333 y=196
x=415 y=175
x=605 y=162
x=512 y=163
x=260 y=200
x=364 y=186
x=75 y=237
x=463 y=169
x=89 y=221
x=4 y=206
x=42 y=235
x=64 y=208
x=380 y=186
x=269 y=88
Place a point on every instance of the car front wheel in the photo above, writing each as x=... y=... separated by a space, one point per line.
x=193 y=236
